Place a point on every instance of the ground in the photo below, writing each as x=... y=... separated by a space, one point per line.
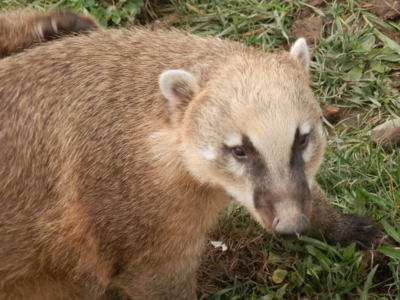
x=355 y=69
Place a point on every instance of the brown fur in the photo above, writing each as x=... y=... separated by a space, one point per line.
x=88 y=200
x=21 y=29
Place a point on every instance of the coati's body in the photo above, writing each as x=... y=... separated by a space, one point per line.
x=101 y=184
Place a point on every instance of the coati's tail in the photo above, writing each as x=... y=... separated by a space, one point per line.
x=21 y=29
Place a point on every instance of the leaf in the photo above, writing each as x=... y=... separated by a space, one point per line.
x=281 y=291
x=393 y=57
x=393 y=233
x=354 y=74
x=384 y=54
x=222 y=292
x=116 y=19
x=348 y=252
x=388 y=41
x=322 y=259
x=377 y=66
x=279 y=275
x=130 y=8
x=368 y=283
x=273 y=258
x=313 y=272
x=367 y=43
x=391 y=251
x=320 y=245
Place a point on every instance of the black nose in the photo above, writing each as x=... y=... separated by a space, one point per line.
x=291 y=227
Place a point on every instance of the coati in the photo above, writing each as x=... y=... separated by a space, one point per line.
x=119 y=149
x=20 y=29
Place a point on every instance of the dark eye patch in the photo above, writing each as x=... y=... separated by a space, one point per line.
x=256 y=166
x=244 y=151
x=299 y=145
x=248 y=154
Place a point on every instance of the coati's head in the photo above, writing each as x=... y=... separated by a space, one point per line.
x=253 y=129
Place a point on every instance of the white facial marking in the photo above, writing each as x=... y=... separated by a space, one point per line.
x=209 y=153
x=308 y=152
x=305 y=128
x=233 y=139
x=236 y=168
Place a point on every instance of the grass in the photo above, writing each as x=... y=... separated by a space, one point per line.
x=355 y=67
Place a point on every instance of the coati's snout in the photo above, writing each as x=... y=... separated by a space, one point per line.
x=284 y=202
x=286 y=220
x=285 y=212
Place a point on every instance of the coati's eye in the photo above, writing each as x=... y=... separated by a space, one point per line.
x=238 y=152
x=303 y=141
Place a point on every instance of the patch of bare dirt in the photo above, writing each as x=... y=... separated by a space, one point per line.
x=245 y=259
x=385 y=9
x=310 y=28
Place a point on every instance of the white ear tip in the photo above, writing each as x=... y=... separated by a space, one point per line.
x=299 y=46
x=168 y=78
x=300 y=51
x=302 y=41
x=172 y=75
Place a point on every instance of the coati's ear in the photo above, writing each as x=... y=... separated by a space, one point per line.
x=300 y=51
x=178 y=87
